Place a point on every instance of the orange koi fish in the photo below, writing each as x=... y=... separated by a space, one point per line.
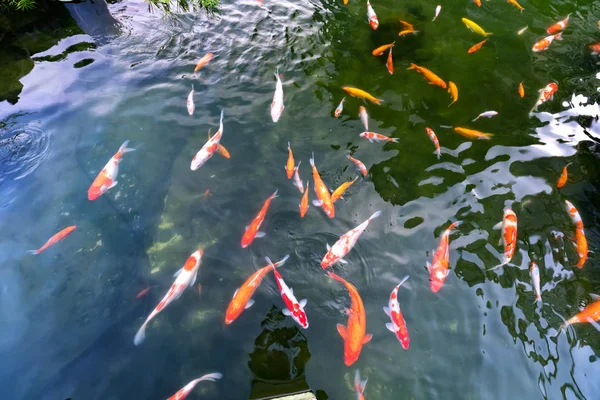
x=359 y=164
x=473 y=134
x=289 y=167
x=435 y=141
x=591 y=313
x=337 y=193
x=186 y=276
x=55 y=239
x=390 y=63
x=476 y=47
x=184 y=391
x=595 y=47
x=546 y=42
x=206 y=194
x=508 y=225
x=354 y=334
x=377 y=137
x=521 y=90
x=143 y=292
x=478 y=2
x=559 y=26
x=546 y=94
x=359 y=386
x=563 y=177
x=209 y=148
x=355 y=92
x=516 y=4
x=430 y=76
x=379 y=51
x=340 y=108
x=580 y=240
x=304 y=202
x=107 y=178
x=323 y=196
x=220 y=148
x=398 y=325
x=453 y=90
x=408 y=28
x=373 y=21
x=252 y=231
x=242 y=298
x=203 y=61
x=441 y=261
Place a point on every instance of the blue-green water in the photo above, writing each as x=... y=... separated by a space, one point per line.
x=70 y=314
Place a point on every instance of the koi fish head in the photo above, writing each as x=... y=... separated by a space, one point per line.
x=328 y=260
x=374 y=22
x=300 y=318
x=96 y=191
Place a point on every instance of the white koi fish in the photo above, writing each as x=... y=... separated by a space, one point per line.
x=297 y=180
x=209 y=148
x=437 y=12
x=364 y=117
x=535 y=278
x=277 y=103
x=487 y=114
x=190 y=102
x=295 y=308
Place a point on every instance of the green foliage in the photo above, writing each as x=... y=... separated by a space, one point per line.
x=182 y=5
x=20 y=5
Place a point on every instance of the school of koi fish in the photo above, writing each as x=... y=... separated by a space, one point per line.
x=354 y=334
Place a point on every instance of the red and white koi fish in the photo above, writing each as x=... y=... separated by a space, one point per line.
x=304 y=202
x=295 y=308
x=107 y=178
x=345 y=244
x=297 y=180
x=389 y=64
x=508 y=225
x=289 y=166
x=559 y=26
x=441 y=261
x=359 y=164
x=184 y=391
x=252 y=231
x=354 y=334
x=277 y=103
x=190 y=102
x=186 y=276
x=398 y=325
x=546 y=94
x=590 y=314
x=546 y=42
x=242 y=298
x=372 y=136
x=435 y=141
x=364 y=117
x=323 y=196
x=209 y=148
x=580 y=240
x=373 y=21
x=437 y=12
x=595 y=47
x=63 y=233
x=487 y=114
x=534 y=271
x=359 y=386
x=340 y=108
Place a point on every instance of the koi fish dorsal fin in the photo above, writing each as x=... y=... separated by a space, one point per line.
x=342 y=331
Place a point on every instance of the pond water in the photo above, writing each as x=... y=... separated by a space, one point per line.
x=69 y=315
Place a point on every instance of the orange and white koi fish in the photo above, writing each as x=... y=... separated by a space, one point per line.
x=295 y=308
x=398 y=325
x=209 y=148
x=203 y=61
x=595 y=47
x=435 y=141
x=345 y=243
x=377 y=137
x=355 y=92
x=379 y=51
x=323 y=196
x=441 y=261
x=534 y=271
x=522 y=30
x=486 y=114
x=304 y=202
x=359 y=386
x=546 y=42
x=63 y=233
x=277 y=103
x=476 y=47
x=390 y=63
x=242 y=298
x=564 y=176
x=252 y=231
x=107 y=178
x=508 y=225
x=340 y=108
x=546 y=94
x=337 y=193
x=521 y=90
x=430 y=76
x=289 y=167
x=453 y=90
x=220 y=148
x=364 y=117
x=559 y=26
x=581 y=246
x=478 y=2
x=184 y=391
x=590 y=314
x=186 y=276
x=437 y=12
x=297 y=180
x=516 y=4
x=373 y=21
x=359 y=164
x=473 y=134
x=354 y=334
x=190 y=102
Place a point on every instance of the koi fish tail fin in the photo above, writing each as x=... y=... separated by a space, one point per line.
x=312 y=159
x=124 y=149
x=412 y=66
x=209 y=377
x=282 y=261
x=475 y=119
x=559 y=36
x=334 y=276
x=289 y=146
x=359 y=385
x=34 y=252
x=505 y=261
x=221 y=119
x=274 y=195
x=488 y=34
x=375 y=215
x=140 y=335
x=277 y=73
x=395 y=140
x=192 y=87
x=270 y=263
x=378 y=101
x=403 y=280
x=298 y=166
x=454 y=225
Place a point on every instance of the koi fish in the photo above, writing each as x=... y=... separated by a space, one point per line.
x=435 y=141
x=337 y=193
x=595 y=47
x=487 y=114
x=304 y=202
x=546 y=42
x=354 y=334
x=209 y=148
x=580 y=240
x=546 y=94
x=521 y=90
x=559 y=26
x=372 y=136
x=441 y=261
x=398 y=325
x=345 y=244
x=591 y=313
x=364 y=117
x=185 y=277
x=143 y=292
x=107 y=178
x=355 y=92
x=297 y=180
x=289 y=167
x=476 y=47
x=340 y=108
x=184 y=391
x=206 y=194
x=277 y=103
x=453 y=90
x=359 y=164
x=430 y=76
x=522 y=30
x=437 y=12
x=516 y=4
x=564 y=176
x=252 y=231
x=390 y=63
x=242 y=298
x=295 y=308
x=508 y=225
x=190 y=102
x=408 y=28
x=478 y=2
x=379 y=51
x=220 y=148
x=359 y=386
x=323 y=196
x=534 y=271
x=203 y=61
x=373 y=21
x=63 y=233
x=473 y=27
x=473 y=134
